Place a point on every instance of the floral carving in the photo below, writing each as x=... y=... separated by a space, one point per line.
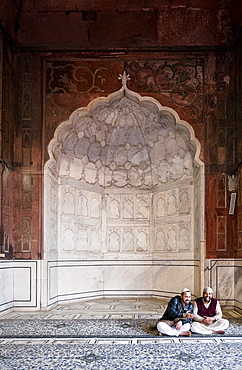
x=181 y=82
x=66 y=80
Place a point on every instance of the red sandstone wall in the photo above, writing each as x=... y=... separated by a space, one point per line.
x=238 y=141
x=42 y=88
x=198 y=86
x=6 y=144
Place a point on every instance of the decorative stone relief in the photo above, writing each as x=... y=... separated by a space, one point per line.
x=171 y=242
x=160 y=205
x=128 y=208
x=225 y=282
x=82 y=239
x=68 y=202
x=221 y=232
x=95 y=208
x=6 y=233
x=181 y=82
x=184 y=201
x=26 y=234
x=115 y=147
x=68 y=238
x=133 y=239
x=114 y=209
x=95 y=240
x=184 y=241
x=26 y=100
x=143 y=207
x=160 y=240
x=76 y=78
x=128 y=241
x=26 y=146
x=53 y=235
x=221 y=184
x=82 y=205
x=114 y=241
x=53 y=196
x=5 y=185
x=122 y=163
x=26 y=191
x=142 y=242
x=171 y=203
x=172 y=238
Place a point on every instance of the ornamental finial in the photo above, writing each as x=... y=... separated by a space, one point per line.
x=124 y=78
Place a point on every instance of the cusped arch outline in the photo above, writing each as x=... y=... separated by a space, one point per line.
x=167 y=115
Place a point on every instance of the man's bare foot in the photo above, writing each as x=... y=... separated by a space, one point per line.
x=185 y=333
x=218 y=332
x=160 y=333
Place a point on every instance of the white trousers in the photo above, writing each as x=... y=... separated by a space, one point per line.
x=166 y=329
x=199 y=328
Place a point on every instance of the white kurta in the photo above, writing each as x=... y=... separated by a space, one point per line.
x=166 y=329
x=200 y=328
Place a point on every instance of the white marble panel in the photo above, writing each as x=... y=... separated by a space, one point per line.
x=77 y=279
x=238 y=283
x=20 y=284
x=171 y=277
x=6 y=285
x=51 y=282
x=220 y=274
x=26 y=284
x=128 y=278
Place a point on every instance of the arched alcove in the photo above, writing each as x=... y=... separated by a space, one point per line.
x=123 y=200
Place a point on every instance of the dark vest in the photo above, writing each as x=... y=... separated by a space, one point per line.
x=203 y=311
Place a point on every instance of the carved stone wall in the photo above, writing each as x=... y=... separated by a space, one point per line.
x=123 y=169
x=220 y=156
x=26 y=161
x=71 y=83
x=238 y=145
x=6 y=143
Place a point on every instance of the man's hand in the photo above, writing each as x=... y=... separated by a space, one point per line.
x=178 y=325
x=189 y=315
x=208 y=320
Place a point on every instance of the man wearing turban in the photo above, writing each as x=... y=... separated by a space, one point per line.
x=208 y=315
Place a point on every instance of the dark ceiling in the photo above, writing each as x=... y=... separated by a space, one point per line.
x=100 y=24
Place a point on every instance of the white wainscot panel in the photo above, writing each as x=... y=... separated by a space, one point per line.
x=172 y=279
x=52 y=282
x=6 y=285
x=225 y=283
x=128 y=279
x=238 y=283
x=79 y=280
x=26 y=284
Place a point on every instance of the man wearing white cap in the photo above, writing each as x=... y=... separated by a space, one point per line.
x=208 y=315
x=178 y=316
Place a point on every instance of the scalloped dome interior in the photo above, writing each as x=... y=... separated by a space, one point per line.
x=124 y=140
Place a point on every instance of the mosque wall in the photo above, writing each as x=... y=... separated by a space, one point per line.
x=69 y=281
x=238 y=140
x=49 y=87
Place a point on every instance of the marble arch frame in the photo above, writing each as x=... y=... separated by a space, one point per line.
x=57 y=288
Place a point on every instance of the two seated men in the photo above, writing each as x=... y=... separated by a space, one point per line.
x=182 y=317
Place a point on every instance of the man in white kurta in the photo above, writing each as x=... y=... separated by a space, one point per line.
x=178 y=315
x=208 y=315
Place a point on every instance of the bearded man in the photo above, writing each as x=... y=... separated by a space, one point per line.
x=208 y=315
x=178 y=316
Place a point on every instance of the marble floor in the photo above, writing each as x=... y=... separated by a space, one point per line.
x=102 y=308
x=111 y=351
